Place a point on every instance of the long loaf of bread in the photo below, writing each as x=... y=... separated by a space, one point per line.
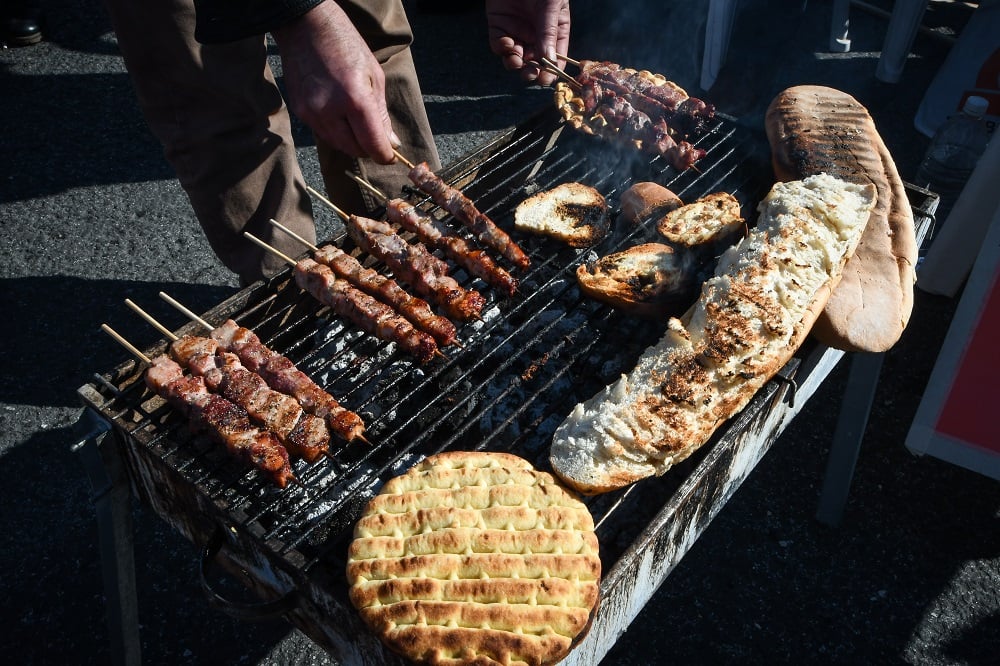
x=749 y=320
x=815 y=129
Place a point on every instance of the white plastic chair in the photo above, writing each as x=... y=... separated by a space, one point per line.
x=903 y=25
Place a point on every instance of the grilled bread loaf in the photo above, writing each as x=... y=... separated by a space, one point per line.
x=814 y=129
x=646 y=280
x=749 y=320
x=475 y=558
x=710 y=219
x=574 y=213
x=646 y=199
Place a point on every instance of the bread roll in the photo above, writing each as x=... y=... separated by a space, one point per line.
x=814 y=129
x=748 y=322
x=647 y=199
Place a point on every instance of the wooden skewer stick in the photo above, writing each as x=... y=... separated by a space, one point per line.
x=188 y=313
x=276 y=251
x=568 y=59
x=294 y=235
x=573 y=83
x=368 y=186
x=126 y=344
x=329 y=203
x=152 y=322
x=402 y=159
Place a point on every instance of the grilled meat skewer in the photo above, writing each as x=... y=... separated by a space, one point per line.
x=303 y=435
x=415 y=309
x=366 y=312
x=282 y=375
x=436 y=235
x=224 y=421
x=685 y=115
x=462 y=208
x=654 y=136
x=414 y=264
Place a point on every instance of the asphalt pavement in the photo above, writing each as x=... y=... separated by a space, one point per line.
x=91 y=214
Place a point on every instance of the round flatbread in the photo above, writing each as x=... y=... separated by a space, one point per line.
x=475 y=557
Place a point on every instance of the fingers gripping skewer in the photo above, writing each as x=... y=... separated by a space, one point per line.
x=281 y=374
x=402 y=159
x=553 y=67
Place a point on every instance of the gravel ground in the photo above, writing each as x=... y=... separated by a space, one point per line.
x=91 y=215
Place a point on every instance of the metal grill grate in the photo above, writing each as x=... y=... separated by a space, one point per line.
x=520 y=370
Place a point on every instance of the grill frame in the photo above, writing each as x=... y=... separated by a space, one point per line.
x=202 y=494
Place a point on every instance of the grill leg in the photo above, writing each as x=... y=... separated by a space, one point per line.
x=112 y=501
x=854 y=410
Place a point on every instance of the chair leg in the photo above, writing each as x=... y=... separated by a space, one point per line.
x=840 y=40
x=718 y=29
x=903 y=26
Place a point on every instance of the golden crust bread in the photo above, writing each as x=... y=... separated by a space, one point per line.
x=648 y=280
x=815 y=129
x=711 y=219
x=573 y=213
x=475 y=558
x=748 y=322
x=645 y=199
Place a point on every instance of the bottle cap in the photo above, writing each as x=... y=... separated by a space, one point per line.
x=976 y=106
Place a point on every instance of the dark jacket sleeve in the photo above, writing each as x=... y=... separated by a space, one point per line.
x=220 y=21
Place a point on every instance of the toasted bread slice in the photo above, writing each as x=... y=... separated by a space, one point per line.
x=710 y=219
x=648 y=280
x=574 y=213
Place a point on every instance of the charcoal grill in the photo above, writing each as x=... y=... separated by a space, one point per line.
x=519 y=372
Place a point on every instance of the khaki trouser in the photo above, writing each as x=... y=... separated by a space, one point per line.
x=226 y=131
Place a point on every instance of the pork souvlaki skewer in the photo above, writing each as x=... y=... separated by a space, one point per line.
x=224 y=421
x=685 y=115
x=366 y=312
x=434 y=234
x=304 y=435
x=414 y=264
x=415 y=309
x=280 y=374
x=462 y=208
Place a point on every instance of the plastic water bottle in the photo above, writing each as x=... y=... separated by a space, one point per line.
x=953 y=153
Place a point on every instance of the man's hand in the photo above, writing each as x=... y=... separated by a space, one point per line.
x=335 y=84
x=521 y=32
